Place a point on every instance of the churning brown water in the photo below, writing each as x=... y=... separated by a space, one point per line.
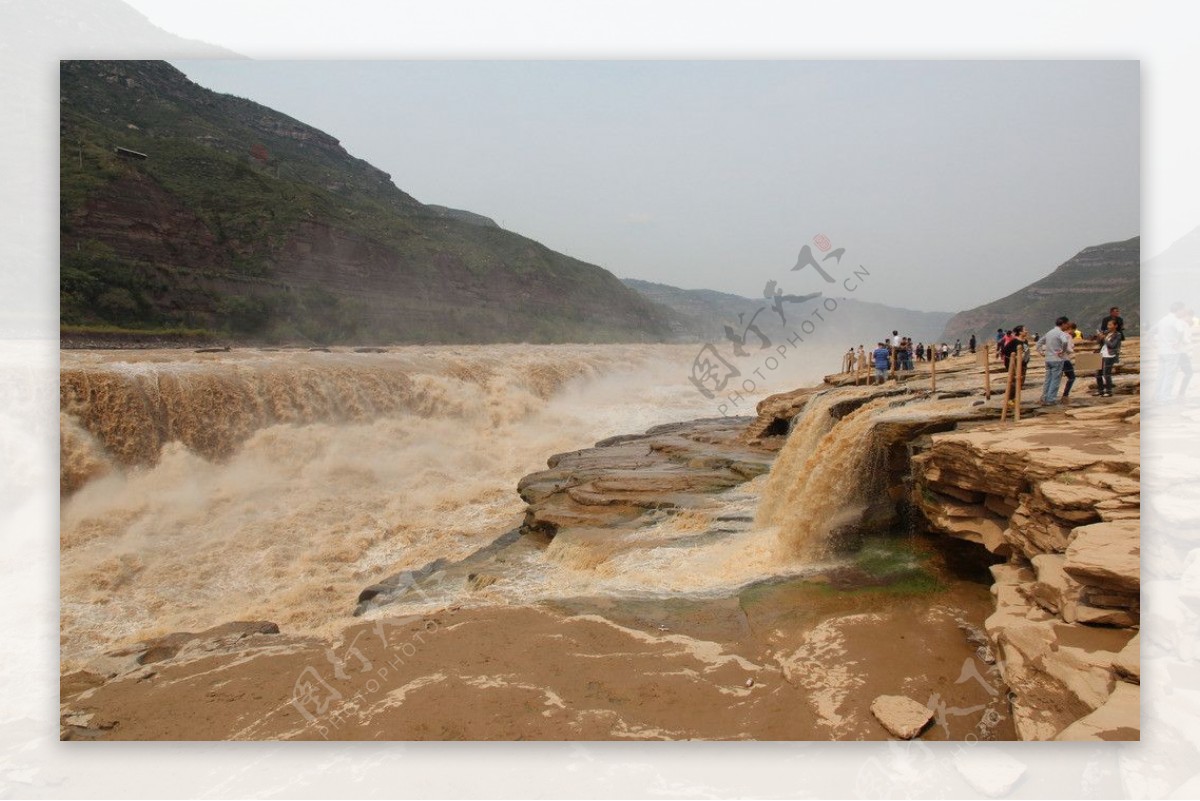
x=202 y=488
x=809 y=427
x=821 y=476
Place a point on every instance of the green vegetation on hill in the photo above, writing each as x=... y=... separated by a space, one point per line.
x=1082 y=288
x=244 y=221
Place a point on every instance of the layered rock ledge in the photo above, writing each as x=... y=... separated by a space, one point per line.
x=617 y=481
x=1058 y=497
x=1054 y=498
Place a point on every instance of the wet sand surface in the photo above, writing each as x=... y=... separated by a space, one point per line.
x=786 y=660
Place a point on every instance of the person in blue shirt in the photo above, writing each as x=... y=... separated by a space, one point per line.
x=882 y=358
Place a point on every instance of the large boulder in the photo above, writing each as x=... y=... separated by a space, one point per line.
x=1106 y=555
x=901 y=716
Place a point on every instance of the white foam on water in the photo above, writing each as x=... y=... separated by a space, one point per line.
x=276 y=485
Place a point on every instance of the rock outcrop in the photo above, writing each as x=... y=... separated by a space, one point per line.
x=619 y=485
x=615 y=483
x=1059 y=498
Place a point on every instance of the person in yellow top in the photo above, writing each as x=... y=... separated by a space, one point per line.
x=1075 y=333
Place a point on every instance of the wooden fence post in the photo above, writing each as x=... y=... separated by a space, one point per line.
x=1008 y=389
x=1019 y=355
x=987 y=373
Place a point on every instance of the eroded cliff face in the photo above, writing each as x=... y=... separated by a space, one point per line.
x=1059 y=498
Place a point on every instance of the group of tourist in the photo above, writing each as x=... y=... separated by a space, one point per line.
x=1058 y=347
x=1173 y=339
x=897 y=353
x=932 y=352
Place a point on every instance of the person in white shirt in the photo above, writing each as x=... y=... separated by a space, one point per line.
x=1172 y=340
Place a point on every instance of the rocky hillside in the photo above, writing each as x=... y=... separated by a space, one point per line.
x=1083 y=288
x=182 y=208
x=702 y=314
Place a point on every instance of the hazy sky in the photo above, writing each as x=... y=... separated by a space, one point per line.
x=954 y=183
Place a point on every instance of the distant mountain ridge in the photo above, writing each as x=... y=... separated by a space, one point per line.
x=183 y=208
x=1083 y=288
x=701 y=314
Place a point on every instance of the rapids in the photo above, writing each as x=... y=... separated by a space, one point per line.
x=203 y=488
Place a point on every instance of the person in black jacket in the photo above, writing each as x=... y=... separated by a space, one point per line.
x=1018 y=344
x=1113 y=314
